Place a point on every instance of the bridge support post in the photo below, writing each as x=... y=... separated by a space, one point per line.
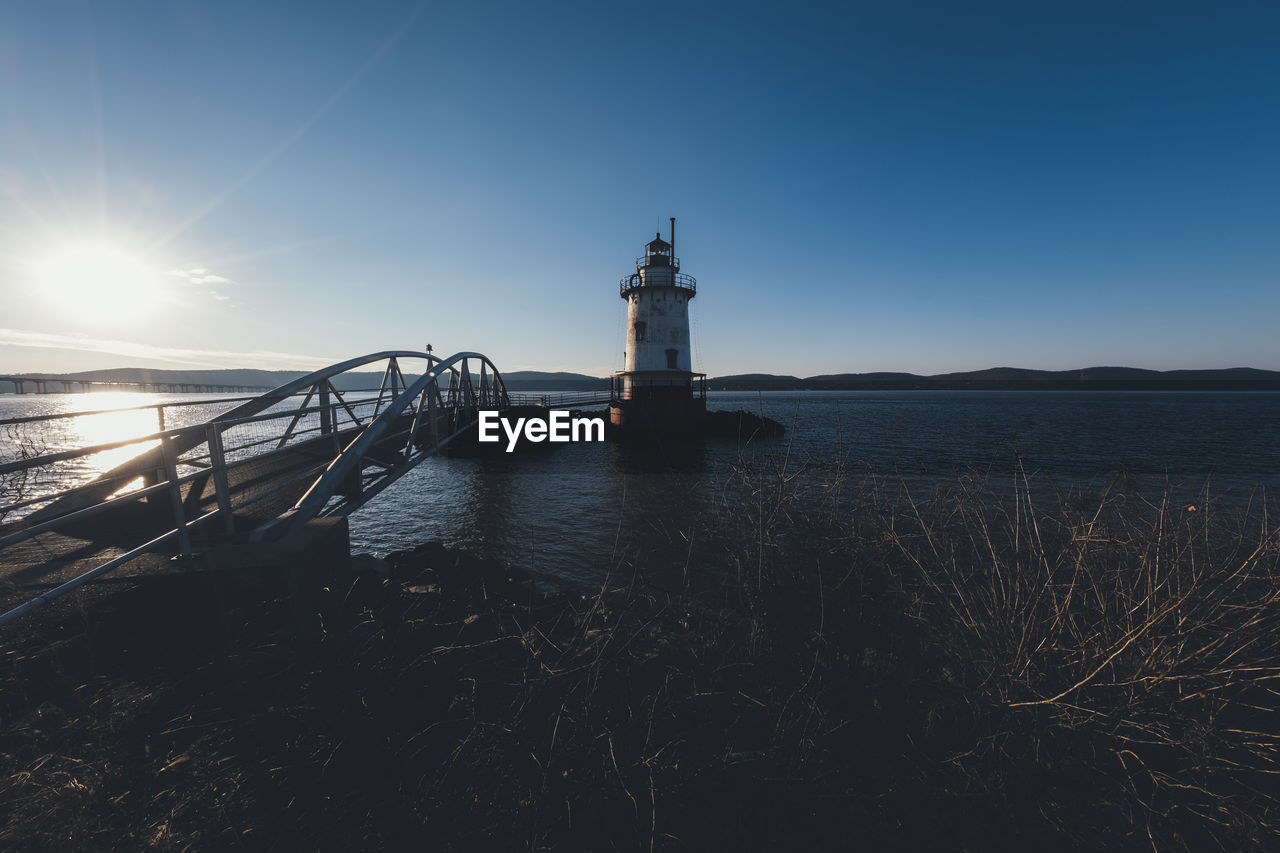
x=170 y=458
x=433 y=415
x=218 y=462
x=312 y=555
x=327 y=425
x=326 y=422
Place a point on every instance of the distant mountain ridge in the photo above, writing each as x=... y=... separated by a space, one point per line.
x=995 y=378
x=537 y=380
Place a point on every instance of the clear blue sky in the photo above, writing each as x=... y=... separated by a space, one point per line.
x=863 y=186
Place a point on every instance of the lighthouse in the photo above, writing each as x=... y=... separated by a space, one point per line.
x=657 y=390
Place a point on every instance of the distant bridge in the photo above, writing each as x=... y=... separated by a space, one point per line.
x=55 y=384
x=256 y=473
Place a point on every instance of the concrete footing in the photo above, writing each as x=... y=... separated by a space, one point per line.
x=319 y=548
x=659 y=415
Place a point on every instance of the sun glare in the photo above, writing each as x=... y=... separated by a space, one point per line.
x=100 y=284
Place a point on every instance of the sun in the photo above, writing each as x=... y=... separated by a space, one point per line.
x=100 y=284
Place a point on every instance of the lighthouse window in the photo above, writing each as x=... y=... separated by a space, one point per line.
x=640 y=327
x=671 y=358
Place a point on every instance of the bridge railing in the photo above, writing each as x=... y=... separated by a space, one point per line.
x=43 y=458
x=162 y=410
x=185 y=454
x=35 y=470
x=561 y=400
x=242 y=468
x=185 y=489
x=431 y=412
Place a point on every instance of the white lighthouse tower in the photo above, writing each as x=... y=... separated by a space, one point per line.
x=657 y=390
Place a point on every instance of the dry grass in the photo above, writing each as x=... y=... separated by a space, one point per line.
x=1135 y=641
x=1102 y=668
x=967 y=669
x=18 y=443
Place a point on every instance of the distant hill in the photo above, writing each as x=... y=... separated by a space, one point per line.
x=1013 y=378
x=754 y=382
x=995 y=378
x=842 y=381
x=1105 y=374
x=537 y=380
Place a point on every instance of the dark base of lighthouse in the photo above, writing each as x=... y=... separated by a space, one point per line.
x=658 y=416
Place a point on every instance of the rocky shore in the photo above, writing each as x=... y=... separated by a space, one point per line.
x=433 y=699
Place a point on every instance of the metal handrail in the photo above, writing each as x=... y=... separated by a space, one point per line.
x=621 y=391
x=41 y=499
x=203 y=461
x=679 y=280
x=443 y=388
x=568 y=398
x=191 y=437
x=40 y=600
x=65 y=455
x=28 y=419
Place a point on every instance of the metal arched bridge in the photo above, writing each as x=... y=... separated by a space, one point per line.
x=254 y=473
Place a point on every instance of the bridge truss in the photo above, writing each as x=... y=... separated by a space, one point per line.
x=253 y=473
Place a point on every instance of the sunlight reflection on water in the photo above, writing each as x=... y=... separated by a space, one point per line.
x=110 y=421
x=112 y=427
